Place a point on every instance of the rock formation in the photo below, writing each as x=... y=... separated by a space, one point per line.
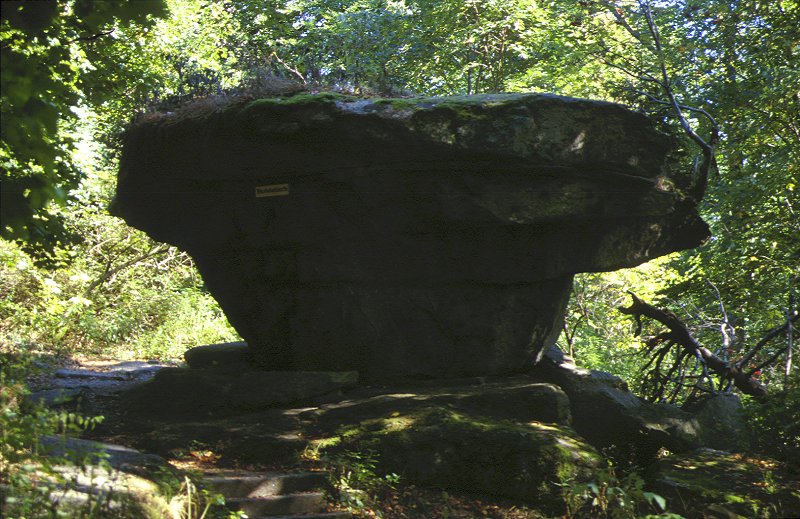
x=404 y=237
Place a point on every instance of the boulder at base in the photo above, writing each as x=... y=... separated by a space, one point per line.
x=614 y=420
x=716 y=484
x=468 y=452
x=404 y=237
x=233 y=357
x=181 y=393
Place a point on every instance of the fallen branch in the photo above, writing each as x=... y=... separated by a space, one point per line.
x=679 y=334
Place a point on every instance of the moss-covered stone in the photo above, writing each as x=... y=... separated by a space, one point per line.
x=715 y=484
x=104 y=480
x=440 y=447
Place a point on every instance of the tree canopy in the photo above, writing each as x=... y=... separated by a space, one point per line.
x=75 y=72
x=54 y=63
x=722 y=76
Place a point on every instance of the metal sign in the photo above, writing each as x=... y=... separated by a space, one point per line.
x=272 y=190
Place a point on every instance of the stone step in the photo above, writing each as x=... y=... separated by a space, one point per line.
x=291 y=504
x=266 y=485
x=324 y=515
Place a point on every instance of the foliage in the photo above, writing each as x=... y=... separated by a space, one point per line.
x=47 y=49
x=195 y=503
x=69 y=84
x=610 y=497
x=129 y=315
x=29 y=478
x=753 y=257
x=595 y=333
x=355 y=480
x=114 y=292
x=743 y=279
x=35 y=483
x=776 y=425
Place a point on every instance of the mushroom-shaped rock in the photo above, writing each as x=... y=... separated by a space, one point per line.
x=403 y=237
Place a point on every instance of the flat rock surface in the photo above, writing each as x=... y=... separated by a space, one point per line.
x=214 y=393
x=85 y=384
x=715 y=484
x=467 y=422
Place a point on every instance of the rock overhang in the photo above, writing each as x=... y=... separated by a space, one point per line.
x=316 y=218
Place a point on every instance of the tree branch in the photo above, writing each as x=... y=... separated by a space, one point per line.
x=771 y=334
x=92 y=37
x=708 y=148
x=656 y=100
x=119 y=268
x=621 y=20
x=682 y=337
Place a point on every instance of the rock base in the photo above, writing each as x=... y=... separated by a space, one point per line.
x=186 y=393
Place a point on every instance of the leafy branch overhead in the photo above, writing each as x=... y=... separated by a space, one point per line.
x=670 y=368
x=662 y=80
x=53 y=54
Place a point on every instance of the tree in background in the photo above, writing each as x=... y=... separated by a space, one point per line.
x=84 y=281
x=739 y=61
x=52 y=55
x=734 y=59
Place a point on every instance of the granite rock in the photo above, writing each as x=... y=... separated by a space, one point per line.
x=421 y=237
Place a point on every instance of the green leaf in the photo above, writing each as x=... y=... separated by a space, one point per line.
x=657 y=499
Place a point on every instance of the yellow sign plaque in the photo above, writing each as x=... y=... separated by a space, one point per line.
x=272 y=190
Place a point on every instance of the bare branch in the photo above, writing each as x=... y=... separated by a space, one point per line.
x=654 y=99
x=290 y=69
x=109 y=272
x=725 y=329
x=621 y=19
x=707 y=360
x=92 y=37
x=687 y=128
x=768 y=336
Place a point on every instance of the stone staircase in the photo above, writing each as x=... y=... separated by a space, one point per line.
x=275 y=495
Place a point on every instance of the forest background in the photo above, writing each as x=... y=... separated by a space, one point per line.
x=76 y=281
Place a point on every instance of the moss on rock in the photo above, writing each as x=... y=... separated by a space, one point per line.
x=474 y=454
x=712 y=483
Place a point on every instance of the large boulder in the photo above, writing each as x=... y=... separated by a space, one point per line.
x=527 y=462
x=713 y=484
x=404 y=237
x=508 y=439
x=616 y=421
x=721 y=418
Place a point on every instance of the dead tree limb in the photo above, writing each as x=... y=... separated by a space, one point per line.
x=679 y=334
x=768 y=336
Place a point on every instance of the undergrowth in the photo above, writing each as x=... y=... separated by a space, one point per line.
x=37 y=482
x=359 y=486
x=142 y=310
